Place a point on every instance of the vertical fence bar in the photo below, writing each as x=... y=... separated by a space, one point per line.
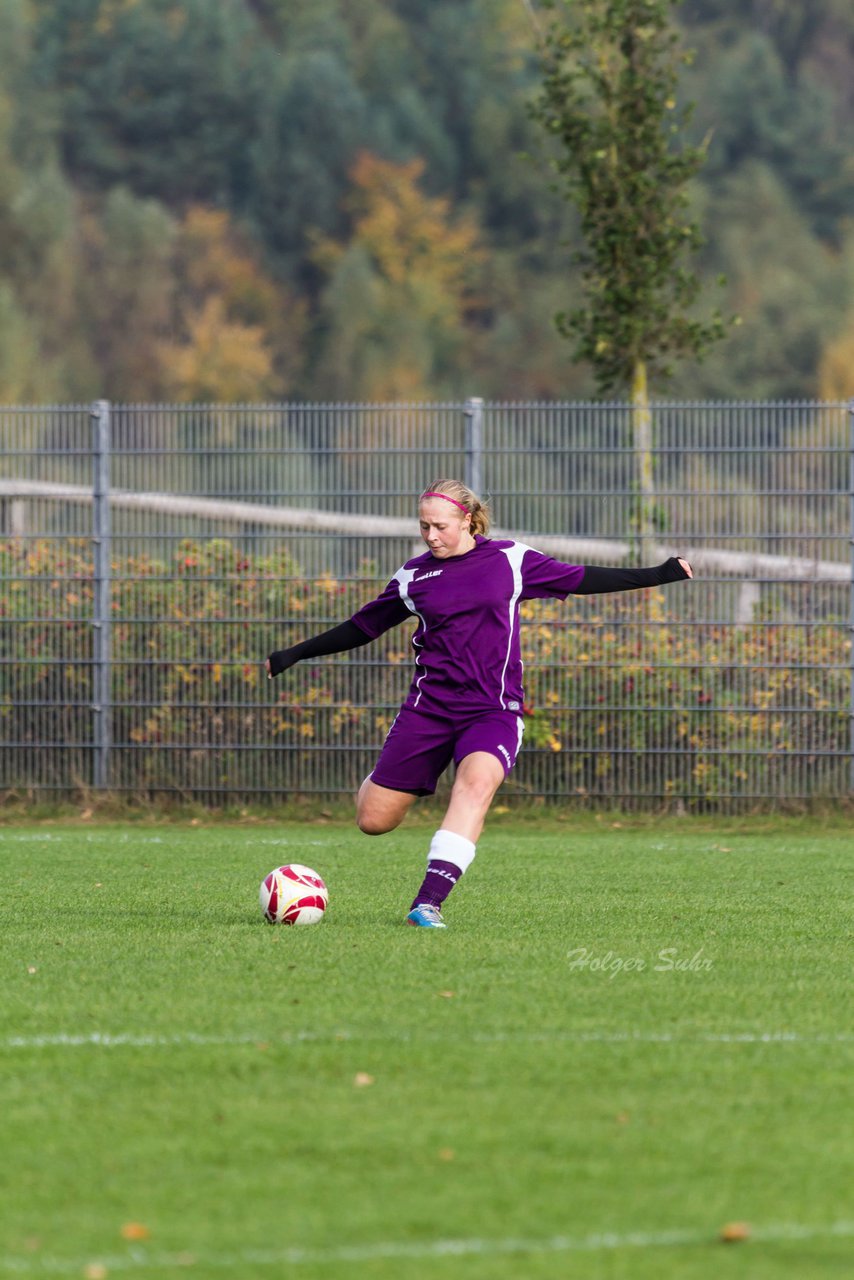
x=851 y=594
x=101 y=682
x=473 y=414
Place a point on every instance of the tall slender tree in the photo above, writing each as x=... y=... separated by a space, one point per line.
x=610 y=71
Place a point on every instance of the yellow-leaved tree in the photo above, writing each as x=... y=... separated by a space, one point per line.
x=836 y=372
x=398 y=291
x=238 y=336
x=220 y=361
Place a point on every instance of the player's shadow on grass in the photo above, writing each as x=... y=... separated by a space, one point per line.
x=342 y=920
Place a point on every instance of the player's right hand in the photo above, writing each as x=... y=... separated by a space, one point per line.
x=279 y=662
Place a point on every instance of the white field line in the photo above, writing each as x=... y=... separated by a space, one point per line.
x=138 y=1259
x=189 y=1039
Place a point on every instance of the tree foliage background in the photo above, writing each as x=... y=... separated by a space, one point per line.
x=264 y=199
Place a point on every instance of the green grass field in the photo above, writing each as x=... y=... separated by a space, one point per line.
x=628 y=1037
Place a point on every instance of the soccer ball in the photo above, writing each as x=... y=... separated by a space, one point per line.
x=293 y=894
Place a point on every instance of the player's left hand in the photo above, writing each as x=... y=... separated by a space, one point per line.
x=686 y=566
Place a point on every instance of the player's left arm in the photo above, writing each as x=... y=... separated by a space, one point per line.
x=598 y=580
x=543 y=576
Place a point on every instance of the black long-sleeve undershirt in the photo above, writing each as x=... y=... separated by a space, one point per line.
x=597 y=581
x=341 y=638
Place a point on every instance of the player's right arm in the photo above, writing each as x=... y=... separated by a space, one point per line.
x=338 y=640
x=379 y=615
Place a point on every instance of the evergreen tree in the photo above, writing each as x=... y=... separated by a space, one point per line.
x=165 y=96
x=125 y=292
x=785 y=284
x=755 y=108
x=301 y=157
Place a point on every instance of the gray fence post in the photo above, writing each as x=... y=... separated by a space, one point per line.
x=851 y=594
x=101 y=619
x=473 y=413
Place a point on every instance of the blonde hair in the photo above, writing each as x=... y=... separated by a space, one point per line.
x=464 y=497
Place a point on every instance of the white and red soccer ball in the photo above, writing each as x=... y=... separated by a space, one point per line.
x=293 y=894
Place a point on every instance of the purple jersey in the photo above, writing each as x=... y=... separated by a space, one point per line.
x=467 y=651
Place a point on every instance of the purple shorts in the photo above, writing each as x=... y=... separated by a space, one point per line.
x=419 y=747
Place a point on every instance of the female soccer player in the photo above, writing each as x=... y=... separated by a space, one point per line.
x=465 y=702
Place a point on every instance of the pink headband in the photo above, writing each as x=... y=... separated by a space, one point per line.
x=447 y=499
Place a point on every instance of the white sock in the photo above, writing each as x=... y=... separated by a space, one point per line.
x=447 y=846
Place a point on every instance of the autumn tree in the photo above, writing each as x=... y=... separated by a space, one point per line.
x=399 y=289
x=238 y=336
x=836 y=370
x=610 y=70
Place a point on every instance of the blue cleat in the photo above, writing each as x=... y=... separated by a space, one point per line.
x=426 y=916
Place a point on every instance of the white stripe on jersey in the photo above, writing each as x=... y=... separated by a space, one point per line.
x=515 y=555
x=403 y=577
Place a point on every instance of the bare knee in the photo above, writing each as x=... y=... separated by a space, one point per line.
x=477 y=788
x=371 y=824
x=379 y=810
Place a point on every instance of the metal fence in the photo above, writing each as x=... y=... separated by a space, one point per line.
x=152 y=555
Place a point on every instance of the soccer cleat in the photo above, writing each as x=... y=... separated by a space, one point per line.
x=426 y=916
